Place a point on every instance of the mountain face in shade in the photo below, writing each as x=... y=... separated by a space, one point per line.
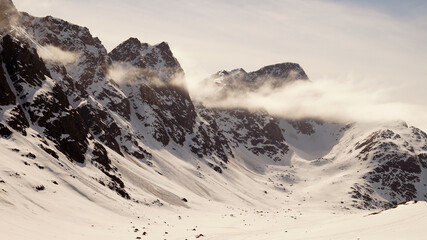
x=143 y=140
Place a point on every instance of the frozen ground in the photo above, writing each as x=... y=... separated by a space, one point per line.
x=89 y=221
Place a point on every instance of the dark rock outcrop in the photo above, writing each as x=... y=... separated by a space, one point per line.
x=88 y=89
x=48 y=108
x=256 y=131
x=396 y=167
x=5 y=131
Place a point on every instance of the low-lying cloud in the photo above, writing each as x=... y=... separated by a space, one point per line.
x=123 y=73
x=55 y=54
x=126 y=73
x=326 y=99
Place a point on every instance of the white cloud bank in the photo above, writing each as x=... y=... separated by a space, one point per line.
x=345 y=100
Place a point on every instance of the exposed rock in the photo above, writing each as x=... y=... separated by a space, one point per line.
x=238 y=80
x=302 y=126
x=4 y=131
x=397 y=168
x=101 y=156
x=49 y=151
x=85 y=81
x=48 y=109
x=7 y=97
x=155 y=93
x=257 y=132
x=39 y=188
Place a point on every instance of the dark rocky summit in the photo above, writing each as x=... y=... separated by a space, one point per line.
x=274 y=76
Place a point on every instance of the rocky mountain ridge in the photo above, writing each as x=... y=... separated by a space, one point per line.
x=274 y=76
x=76 y=112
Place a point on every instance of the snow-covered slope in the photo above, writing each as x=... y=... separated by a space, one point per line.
x=76 y=142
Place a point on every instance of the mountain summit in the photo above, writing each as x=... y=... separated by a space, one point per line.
x=275 y=76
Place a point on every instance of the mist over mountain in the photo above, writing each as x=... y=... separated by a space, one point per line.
x=88 y=133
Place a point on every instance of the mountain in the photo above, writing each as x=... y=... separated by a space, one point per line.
x=275 y=75
x=74 y=134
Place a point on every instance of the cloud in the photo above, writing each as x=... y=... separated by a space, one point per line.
x=344 y=100
x=126 y=73
x=57 y=55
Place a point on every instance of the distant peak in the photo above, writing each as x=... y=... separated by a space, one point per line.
x=163 y=46
x=238 y=70
x=143 y=55
x=133 y=40
x=282 y=70
x=284 y=65
x=127 y=50
x=136 y=44
x=234 y=71
x=274 y=75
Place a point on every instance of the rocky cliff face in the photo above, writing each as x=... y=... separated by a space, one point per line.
x=161 y=107
x=34 y=100
x=97 y=98
x=42 y=100
x=397 y=160
x=157 y=62
x=158 y=101
x=257 y=133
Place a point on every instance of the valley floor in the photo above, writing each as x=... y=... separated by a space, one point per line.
x=214 y=221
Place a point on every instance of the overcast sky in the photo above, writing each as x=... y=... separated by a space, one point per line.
x=382 y=43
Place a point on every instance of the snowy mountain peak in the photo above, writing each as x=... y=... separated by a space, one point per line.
x=156 y=59
x=129 y=51
x=238 y=80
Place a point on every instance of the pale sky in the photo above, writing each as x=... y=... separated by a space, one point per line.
x=382 y=43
